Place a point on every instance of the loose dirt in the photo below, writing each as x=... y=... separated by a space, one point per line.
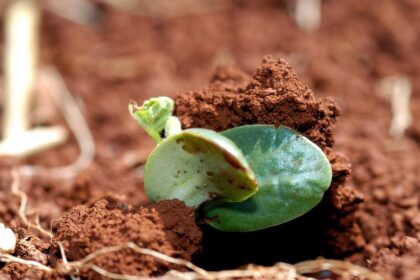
x=167 y=227
x=127 y=56
x=274 y=94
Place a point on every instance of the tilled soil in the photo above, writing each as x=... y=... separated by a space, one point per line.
x=168 y=227
x=274 y=94
x=128 y=56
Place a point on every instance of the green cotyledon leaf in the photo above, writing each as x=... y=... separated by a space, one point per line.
x=198 y=165
x=292 y=174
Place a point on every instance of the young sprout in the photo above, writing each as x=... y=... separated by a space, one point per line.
x=221 y=171
x=153 y=115
x=194 y=165
x=7 y=240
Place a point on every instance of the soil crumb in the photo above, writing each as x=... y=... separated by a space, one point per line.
x=391 y=192
x=393 y=265
x=167 y=227
x=274 y=94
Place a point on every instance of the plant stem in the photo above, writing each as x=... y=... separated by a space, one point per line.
x=172 y=126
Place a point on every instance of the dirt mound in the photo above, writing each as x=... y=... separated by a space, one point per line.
x=167 y=227
x=276 y=95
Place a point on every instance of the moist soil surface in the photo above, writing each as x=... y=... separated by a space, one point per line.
x=370 y=217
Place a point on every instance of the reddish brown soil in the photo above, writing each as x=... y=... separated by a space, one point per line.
x=276 y=95
x=168 y=227
x=128 y=56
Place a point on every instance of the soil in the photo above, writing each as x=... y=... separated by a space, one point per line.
x=276 y=95
x=168 y=227
x=125 y=56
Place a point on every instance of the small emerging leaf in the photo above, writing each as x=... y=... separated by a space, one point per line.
x=198 y=165
x=152 y=115
x=292 y=175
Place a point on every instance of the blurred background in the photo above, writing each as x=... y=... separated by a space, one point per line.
x=110 y=51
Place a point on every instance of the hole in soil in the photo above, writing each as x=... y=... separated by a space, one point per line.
x=301 y=239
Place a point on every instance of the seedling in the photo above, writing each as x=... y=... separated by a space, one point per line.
x=243 y=179
x=194 y=165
